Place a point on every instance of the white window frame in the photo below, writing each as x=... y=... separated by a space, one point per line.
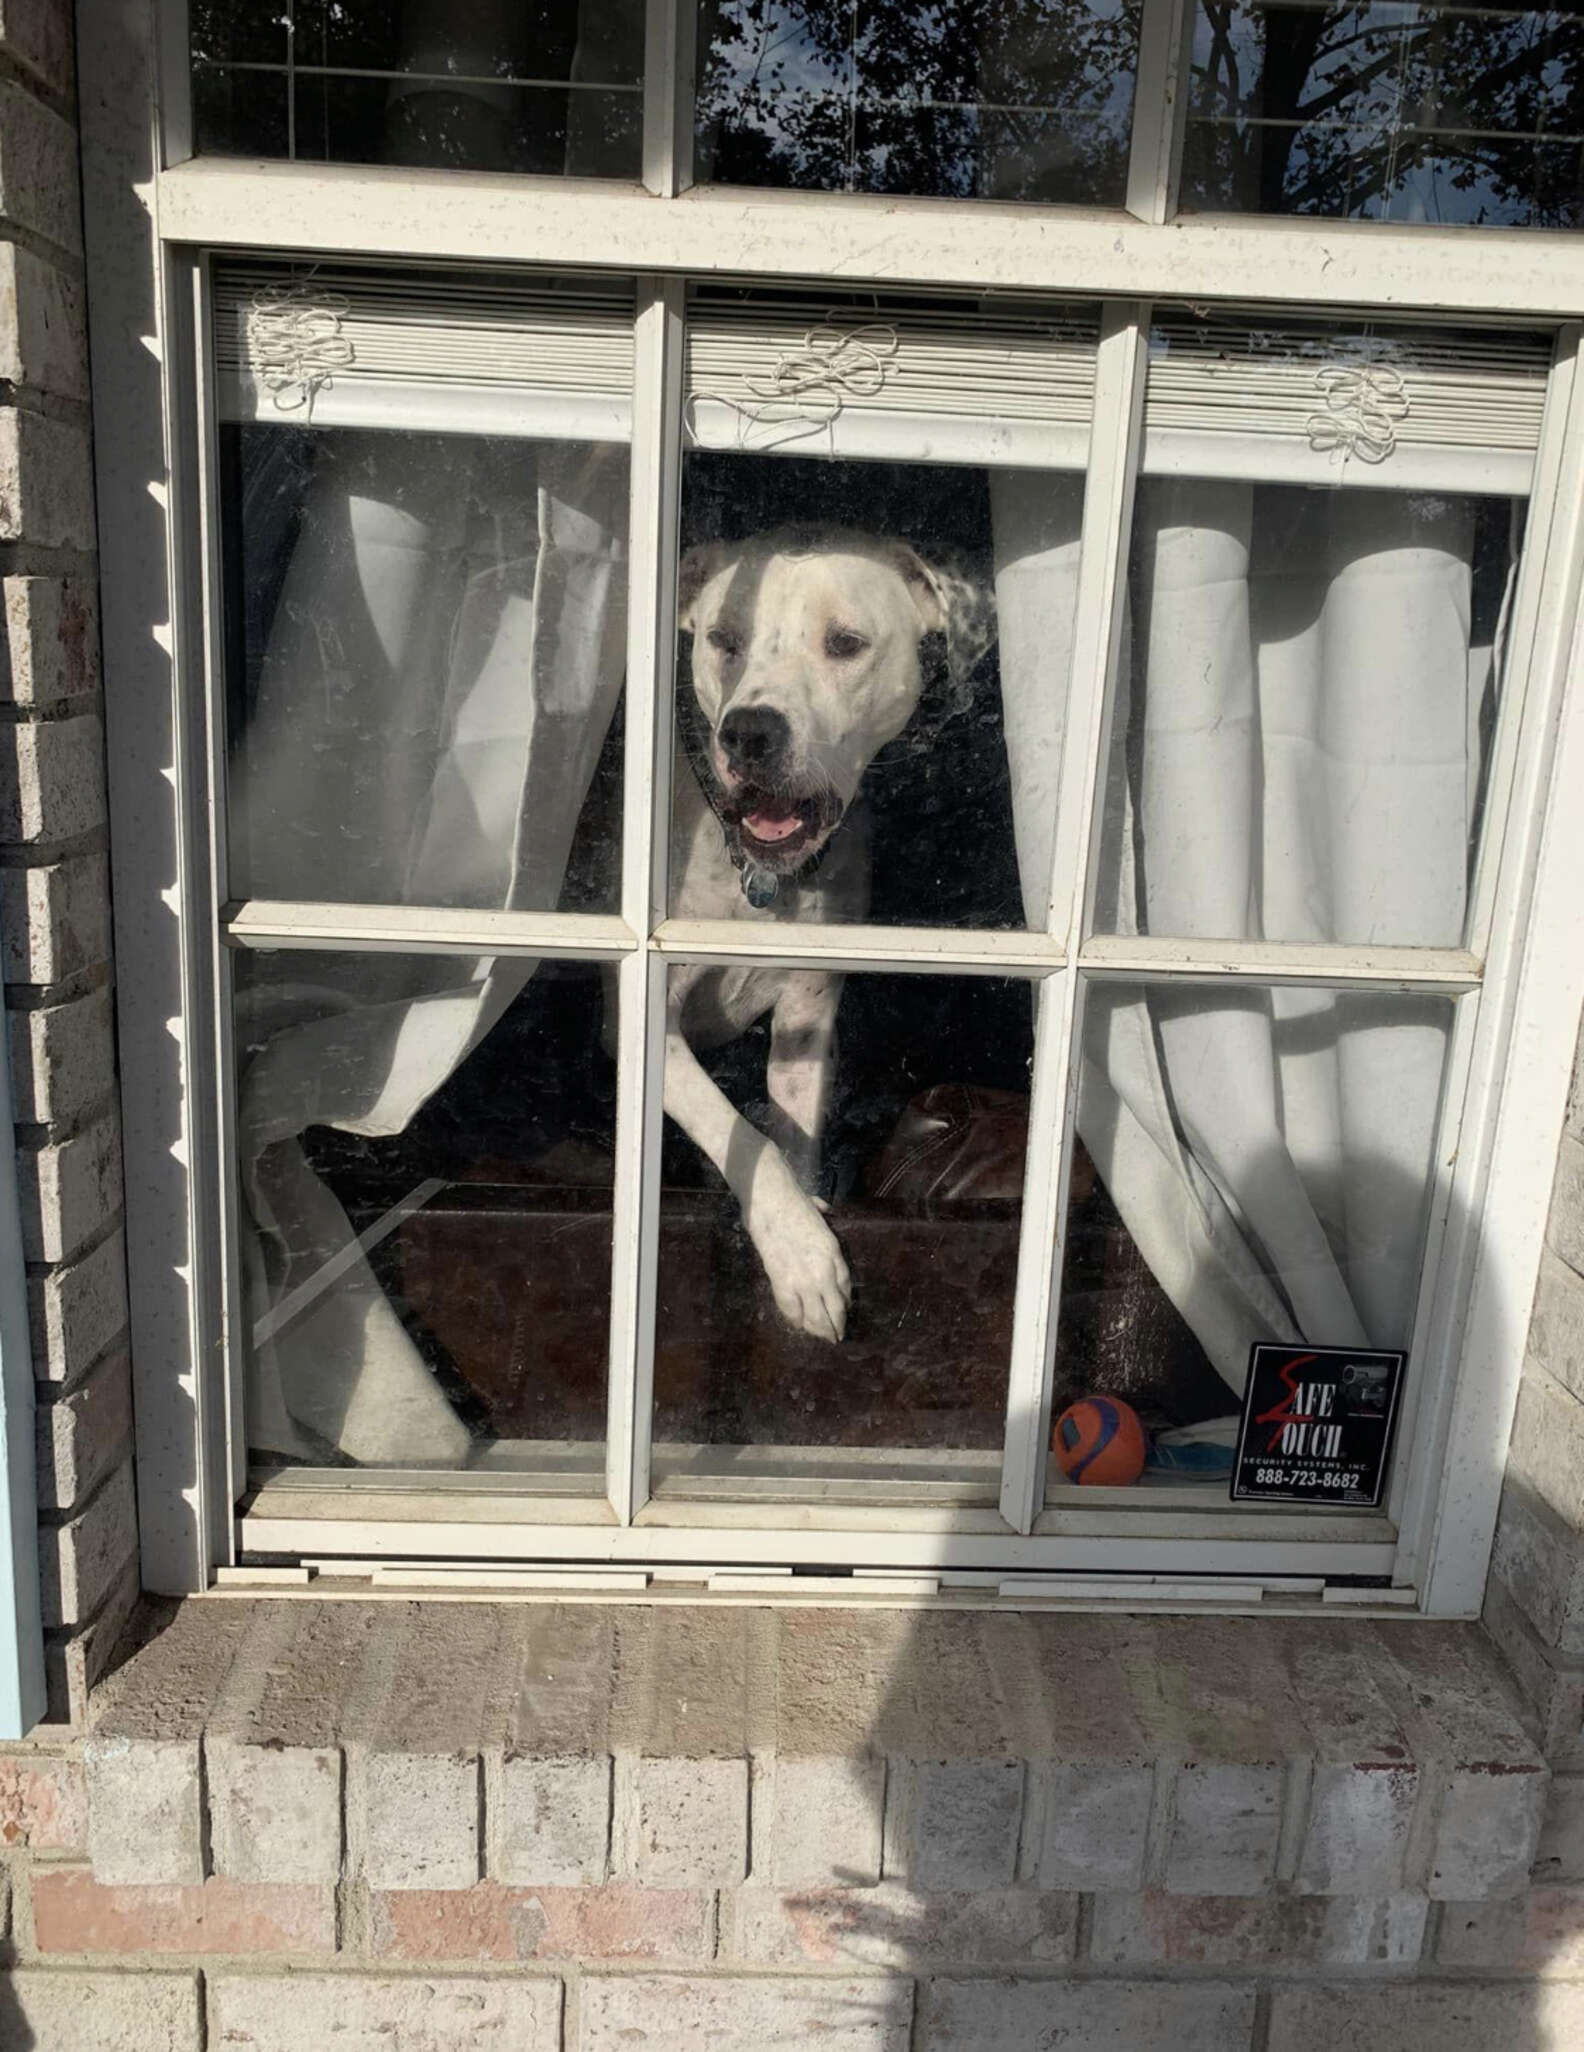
x=151 y=222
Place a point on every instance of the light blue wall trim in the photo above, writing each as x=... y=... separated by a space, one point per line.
x=21 y=1626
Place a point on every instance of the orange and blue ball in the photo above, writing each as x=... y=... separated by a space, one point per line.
x=1099 y=1441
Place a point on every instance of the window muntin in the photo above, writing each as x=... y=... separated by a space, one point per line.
x=489 y=86
x=1386 y=112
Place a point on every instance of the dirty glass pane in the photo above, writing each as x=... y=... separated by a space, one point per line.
x=1251 y=1164
x=1302 y=731
x=979 y=99
x=425 y=651
x=842 y=1188
x=1324 y=559
x=424 y=1148
x=851 y=744
x=1388 y=110
x=490 y=85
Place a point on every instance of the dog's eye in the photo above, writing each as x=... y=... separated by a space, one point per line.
x=841 y=644
x=726 y=640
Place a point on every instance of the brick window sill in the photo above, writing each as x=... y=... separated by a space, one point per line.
x=431 y=1759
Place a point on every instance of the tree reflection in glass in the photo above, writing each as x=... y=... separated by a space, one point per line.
x=986 y=99
x=1387 y=111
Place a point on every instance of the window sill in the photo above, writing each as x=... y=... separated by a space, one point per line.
x=401 y=1746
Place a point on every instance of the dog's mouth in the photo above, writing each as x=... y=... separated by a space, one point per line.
x=777 y=829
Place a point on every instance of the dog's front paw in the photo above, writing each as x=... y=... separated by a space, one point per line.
x=802 y=1257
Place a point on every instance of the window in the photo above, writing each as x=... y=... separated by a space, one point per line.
x=820 y=815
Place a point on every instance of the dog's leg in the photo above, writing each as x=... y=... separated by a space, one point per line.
x=802 y=1068
x=807 y=1272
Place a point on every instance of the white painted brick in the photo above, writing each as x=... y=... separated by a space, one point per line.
x=690 y=1821
x=62 y=1059
x=1556 y=1324
x=74 y=1662
x=274 y=1811
x=1226 y=1820
x=51 y=779
x=823 y=1819
x=38 y=168
x=1538 y=1559
x=1546 y=1452
x=1249 y=1934
x=81 y=1561
x=549 y=1821
x=57 y=919
x=1094 y=2016
x=46 y=481
x=953 y=1824
x=1560 y=1855
x=1555 y=1693
x=1565 y=1227
x=1519 y=2017
x=145 y=1811
x=70 y=1190
x=47 y=2010
x=80 y=1438
x=421 y=1820
x=1575 y=1103
x=394 y=2013
x=1360 y=1818
x=43 y=334
x=1487 y=1833
x=38 y=33
x=51 y=647
x=77 y=1310
x=673 y=2013
x=1095 y=1823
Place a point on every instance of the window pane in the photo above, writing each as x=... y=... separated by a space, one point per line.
x=1014 y=99
x=491 y=85
x=425 y=652
x=874 y=649
x=912 y=1130
x=1387 y=110
x=424 y=1147
x=1252 y=1165
x=1325 y=549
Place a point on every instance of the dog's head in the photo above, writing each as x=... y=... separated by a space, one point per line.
x=806 y=662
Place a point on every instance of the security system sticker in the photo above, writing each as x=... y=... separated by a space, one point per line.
x=1317 y=1425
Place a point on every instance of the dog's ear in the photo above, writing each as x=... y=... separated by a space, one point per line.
x=954 y=605
x=696 y=569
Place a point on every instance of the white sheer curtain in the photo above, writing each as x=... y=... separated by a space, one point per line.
x=444 y=661
x=1299 y=694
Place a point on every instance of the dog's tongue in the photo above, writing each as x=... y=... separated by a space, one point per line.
x=772 y=826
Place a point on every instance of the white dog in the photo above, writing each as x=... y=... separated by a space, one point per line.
x=806 y=662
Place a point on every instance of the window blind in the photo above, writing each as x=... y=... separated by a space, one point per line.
x=1404 y=408
x=891 y=378
x=465 y=353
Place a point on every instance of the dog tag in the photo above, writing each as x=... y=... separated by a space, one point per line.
x=761 y=887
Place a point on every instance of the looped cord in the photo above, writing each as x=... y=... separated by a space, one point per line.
x=295 y=343
x=1363 y=404
x=808 y=387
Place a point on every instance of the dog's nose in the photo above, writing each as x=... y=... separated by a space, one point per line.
x=754 y=736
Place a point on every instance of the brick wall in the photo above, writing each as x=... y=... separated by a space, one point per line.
x=1534 y=1604
x=575 y=1828
x=53 y=871
x=463 y=1827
